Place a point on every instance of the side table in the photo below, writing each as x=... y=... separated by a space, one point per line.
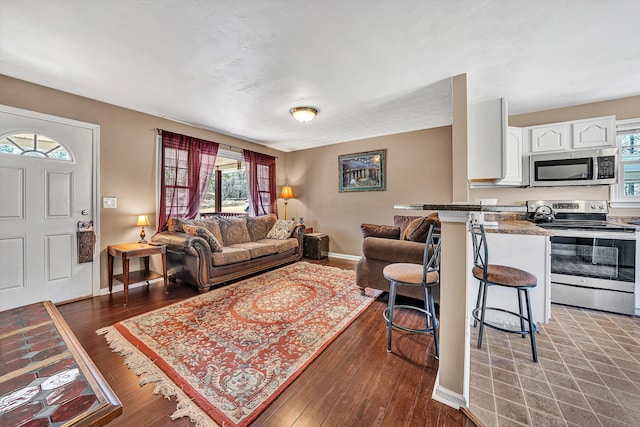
x=135 y=250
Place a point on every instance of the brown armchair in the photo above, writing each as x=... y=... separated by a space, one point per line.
x=383 y=245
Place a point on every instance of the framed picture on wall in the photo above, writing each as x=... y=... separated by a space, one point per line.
x=362 y=171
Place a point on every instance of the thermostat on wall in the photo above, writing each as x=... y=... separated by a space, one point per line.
x=109 y=202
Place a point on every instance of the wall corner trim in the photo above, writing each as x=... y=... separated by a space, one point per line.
x=448 y=397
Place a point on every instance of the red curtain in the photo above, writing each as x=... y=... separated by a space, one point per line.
x=187 y=165
x=261 y=178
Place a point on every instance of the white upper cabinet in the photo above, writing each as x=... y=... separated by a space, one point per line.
x=594 y=132
x=513 y=157
x=487 y=127
x=494 y=149
x=577 y=134
x=553 y=137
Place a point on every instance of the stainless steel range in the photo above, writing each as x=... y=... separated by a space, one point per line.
x=593 y=263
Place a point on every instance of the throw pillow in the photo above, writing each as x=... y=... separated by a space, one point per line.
x=175 y=224
x=384 y=231
x=259 y=226
x=233 y=229
x=418 y=229
x=281 y=230
x=196 y=230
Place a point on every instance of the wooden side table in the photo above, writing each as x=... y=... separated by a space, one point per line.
x=135 y=250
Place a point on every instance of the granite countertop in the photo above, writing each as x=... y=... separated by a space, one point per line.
x=515 y=226
x=463 y=207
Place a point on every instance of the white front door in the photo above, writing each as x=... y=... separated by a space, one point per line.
x=43 y=196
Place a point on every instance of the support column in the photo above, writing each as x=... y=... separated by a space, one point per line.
x=452 y=383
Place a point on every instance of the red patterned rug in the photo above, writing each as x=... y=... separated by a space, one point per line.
x=227 y=354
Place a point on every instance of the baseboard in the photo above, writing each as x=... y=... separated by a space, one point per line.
x=344 y=256
x=448 y=397
x=120 y=287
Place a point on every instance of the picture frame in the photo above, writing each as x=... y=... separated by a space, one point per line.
x=364 y=171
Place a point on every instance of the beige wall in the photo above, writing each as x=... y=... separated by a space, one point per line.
x=625 y=108
x=419 y=166
x=127 y=155
x=418 y=171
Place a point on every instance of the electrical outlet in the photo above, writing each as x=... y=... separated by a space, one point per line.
x=109 y=202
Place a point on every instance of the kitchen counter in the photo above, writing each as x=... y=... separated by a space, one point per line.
x=513 y=222
x=517 y=227
x=463 y=207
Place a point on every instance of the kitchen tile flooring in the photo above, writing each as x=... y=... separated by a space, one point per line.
x=588 y=373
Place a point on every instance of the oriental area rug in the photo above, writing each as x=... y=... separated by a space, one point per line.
x=227 y=354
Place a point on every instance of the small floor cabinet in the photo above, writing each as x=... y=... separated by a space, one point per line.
x=316 y=246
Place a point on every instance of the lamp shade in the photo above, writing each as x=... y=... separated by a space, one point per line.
x=287 y=192
x=303 y=114
x=142 y=220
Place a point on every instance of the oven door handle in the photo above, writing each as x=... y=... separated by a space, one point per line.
x=595 y=234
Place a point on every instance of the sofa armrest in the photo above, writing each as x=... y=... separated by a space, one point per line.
x=188 y=257
x=393 y=250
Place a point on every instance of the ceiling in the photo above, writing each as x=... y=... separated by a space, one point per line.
x=371 y=67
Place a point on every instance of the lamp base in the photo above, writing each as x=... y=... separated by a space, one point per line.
x=142 y=237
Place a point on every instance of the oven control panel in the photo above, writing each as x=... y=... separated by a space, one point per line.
x=570 y=206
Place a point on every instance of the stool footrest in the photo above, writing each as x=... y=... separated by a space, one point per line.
x=476 y=315
x=434 y=320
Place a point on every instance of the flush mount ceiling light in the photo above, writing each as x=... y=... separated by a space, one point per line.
x=303 y=114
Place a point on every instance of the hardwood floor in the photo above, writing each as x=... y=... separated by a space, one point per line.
x=354 y=382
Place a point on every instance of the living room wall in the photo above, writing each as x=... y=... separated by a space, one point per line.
x=127 y=156
x=418 y=170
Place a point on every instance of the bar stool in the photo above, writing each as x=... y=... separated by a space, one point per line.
x=500 y=275
x=426 y=276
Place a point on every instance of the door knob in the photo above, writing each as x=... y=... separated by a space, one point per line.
x=84 y=212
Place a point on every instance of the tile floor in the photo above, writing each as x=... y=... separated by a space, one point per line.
x=588 y=373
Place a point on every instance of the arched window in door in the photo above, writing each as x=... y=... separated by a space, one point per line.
x=34 y=145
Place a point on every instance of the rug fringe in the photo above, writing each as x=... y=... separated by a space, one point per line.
x=149 y=373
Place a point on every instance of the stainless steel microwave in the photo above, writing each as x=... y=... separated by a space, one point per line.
x=576 y=167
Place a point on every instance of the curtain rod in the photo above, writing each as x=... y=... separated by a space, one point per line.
x=159 y=131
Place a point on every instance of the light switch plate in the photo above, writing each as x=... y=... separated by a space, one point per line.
x=109 y=202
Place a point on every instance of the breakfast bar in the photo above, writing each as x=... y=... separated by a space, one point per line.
x=457 y=295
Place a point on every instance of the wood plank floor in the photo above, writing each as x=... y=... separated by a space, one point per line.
x=354 y=382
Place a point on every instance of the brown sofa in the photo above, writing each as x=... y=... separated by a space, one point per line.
x=383 y=245
x=245 y=249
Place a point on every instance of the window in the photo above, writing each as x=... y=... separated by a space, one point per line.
x=33 y=145
x=626 y=193
x=230 y=181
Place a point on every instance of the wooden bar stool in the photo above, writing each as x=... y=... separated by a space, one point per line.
x=426 y=276
x=500 y=275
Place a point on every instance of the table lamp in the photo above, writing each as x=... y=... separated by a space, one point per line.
x=142 y=221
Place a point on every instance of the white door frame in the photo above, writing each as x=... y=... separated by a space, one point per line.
x=95 y=131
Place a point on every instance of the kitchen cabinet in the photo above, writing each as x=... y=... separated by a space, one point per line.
x=527 y=252
x=554 y=137
x=593 y=133
x=494 y=149
x=573 y=135
x=512 y=157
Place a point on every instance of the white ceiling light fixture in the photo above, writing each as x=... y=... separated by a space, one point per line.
x=303 y=114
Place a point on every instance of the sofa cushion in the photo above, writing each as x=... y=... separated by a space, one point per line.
x=384 y=231
x=281 y=245
x=230 y=255
x=234 y=230
x=259 y=226
x=418 y=229
x=175 y=224
x=257 y=249
x=196 y=230
x=281 y=230
x=211 y=224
